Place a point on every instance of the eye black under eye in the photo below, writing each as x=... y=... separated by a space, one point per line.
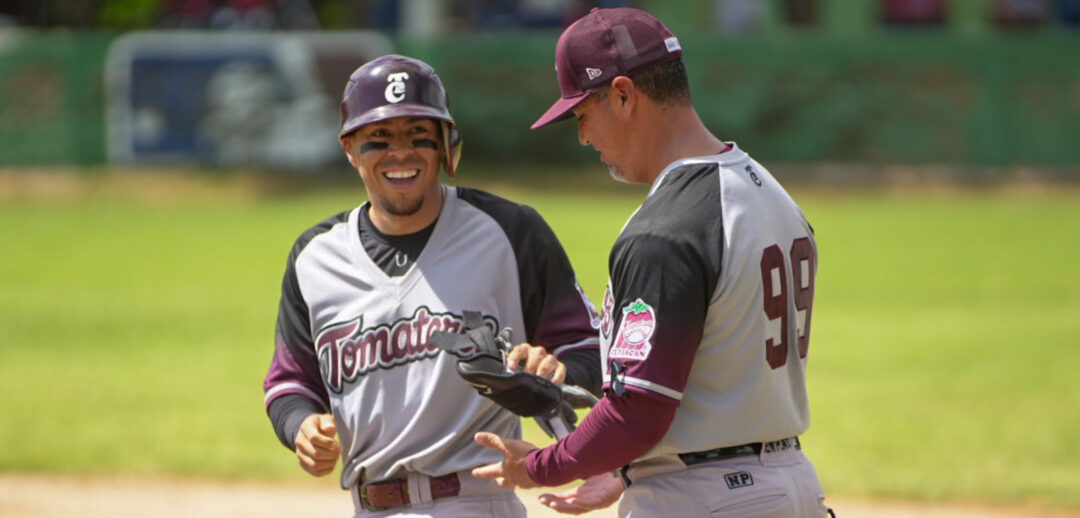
x=373 y=145
x=425 y=142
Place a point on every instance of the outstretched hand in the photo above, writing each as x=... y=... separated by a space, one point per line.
x=598 y=492
x=511 y=471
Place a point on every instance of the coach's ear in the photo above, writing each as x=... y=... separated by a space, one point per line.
x=623 y=95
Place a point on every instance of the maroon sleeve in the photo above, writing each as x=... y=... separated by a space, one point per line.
x=287 y=375
x=294 y=368
x=616 y=431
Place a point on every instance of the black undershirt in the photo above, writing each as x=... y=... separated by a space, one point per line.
x=393 y=254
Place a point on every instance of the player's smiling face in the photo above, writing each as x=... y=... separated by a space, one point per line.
x=399 y=160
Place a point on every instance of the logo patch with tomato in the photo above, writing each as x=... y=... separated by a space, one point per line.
x=632 y=342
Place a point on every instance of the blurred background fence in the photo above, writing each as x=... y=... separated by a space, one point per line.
x=975 y=82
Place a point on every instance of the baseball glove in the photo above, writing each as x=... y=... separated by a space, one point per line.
x=482 y=364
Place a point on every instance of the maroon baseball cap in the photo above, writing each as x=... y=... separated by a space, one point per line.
x=602 y=45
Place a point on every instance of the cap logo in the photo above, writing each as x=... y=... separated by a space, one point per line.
x=593 y=73
x=395 y=91
x=672 y=44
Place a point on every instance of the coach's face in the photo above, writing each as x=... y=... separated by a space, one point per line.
x=399 y=161
x=596 y=128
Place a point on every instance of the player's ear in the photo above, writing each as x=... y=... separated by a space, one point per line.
x=347 y=143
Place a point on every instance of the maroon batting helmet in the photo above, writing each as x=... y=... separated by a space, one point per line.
x=398 y=86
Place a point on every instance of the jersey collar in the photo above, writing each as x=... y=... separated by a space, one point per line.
x=731 y=156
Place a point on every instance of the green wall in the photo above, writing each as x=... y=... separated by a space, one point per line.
x=51 y=92
x=896 y=97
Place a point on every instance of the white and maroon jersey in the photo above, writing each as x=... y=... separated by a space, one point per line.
x=708 y=304
x=356 y=340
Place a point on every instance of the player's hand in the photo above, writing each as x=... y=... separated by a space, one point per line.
x=316 y=446
x=598 y=492
x=536 y=360
x=511 y=471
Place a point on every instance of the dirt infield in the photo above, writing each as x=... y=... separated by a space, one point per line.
x=36 y=496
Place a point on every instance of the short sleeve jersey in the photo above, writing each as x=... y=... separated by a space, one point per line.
x=708 y=304
x=356 y=340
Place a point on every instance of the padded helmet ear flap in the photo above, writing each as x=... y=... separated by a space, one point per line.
x=452 y=145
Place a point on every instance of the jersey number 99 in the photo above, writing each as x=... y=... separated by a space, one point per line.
x=775 y=286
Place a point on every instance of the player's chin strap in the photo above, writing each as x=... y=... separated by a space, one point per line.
x=482 y=364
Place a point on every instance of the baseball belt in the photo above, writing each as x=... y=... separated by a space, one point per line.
x=729 y=452
x=724 y=453
x=388 y=494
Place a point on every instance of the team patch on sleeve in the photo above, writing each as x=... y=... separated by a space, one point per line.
x=633 y=340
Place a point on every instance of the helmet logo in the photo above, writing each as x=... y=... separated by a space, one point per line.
x=395 y=91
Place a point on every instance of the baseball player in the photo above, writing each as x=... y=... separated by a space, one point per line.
x=353 y=373
x=705 y=323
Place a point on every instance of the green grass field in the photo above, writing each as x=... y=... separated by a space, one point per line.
x=134 y=334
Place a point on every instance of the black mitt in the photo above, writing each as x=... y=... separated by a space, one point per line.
x=482 y=363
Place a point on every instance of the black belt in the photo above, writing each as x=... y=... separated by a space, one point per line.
x=730 y=452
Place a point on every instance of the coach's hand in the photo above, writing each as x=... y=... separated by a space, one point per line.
x=536 y=360
x=511 y=471
x=316 y=446
x=598 y=492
